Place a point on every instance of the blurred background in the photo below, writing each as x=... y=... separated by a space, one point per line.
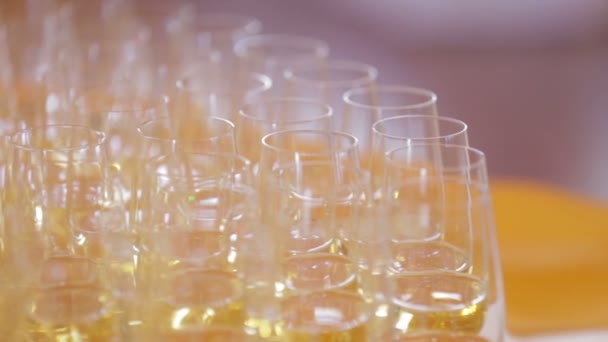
x=529 y=77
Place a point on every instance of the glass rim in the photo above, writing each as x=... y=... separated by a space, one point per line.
x=326 y=110
x=479 y=162
x=243 y=162
x=438 y=118
x=390 y=88
x=352 y=146
x=264 y=81
x=369 y=73
x=319 y=48
x=227 y=128
x=99 y=135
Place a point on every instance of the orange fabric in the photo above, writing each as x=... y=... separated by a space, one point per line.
x=554 y=247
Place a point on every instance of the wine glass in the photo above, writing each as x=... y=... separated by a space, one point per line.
x=272 y=54
x=392 y=100
x=164 y=136
x=444 y=265
x=211 y=92
x=118 y=111
x=193 y=32
x=326 y=81
x=58 y=178
x=223 y=30
x=313 y=192
x=404 y=130
x=257 y=119
x=200 y=211
x=366 y=105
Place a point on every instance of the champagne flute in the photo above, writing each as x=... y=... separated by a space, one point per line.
x=218 y=31
x=451 y=285
x=118 y=111
x=57 y=178
x=110 y=239
x=272 y=54
x=404 y=130
x=409 y=130
x=222 y=30
x=210 y=92
x=179 y=48
x=56 y=173
x=392 y=100
x=366 y=105
x=44 y=58
x=257 y=119
x=326 y=81
x=165 y=136
x=313 y=191
x=200 y=209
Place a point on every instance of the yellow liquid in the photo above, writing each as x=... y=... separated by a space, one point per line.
x=53 y=272
x=327 y=316
x=210 y=334
x=194 y=299
x=427 y=255
x=438 y=301
x=318 y=209
x=442 y=338
x=11 y=300
x=37 y=232
x=263 y=329
x=319 y=271
x=174 y=248
x=115 y=256
x=68 y=271
x=65 y=314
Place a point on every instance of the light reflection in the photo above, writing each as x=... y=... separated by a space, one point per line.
x=328 y=315
x=178 y=317
x=404 y=321
x=440 y=295
x=382 y=311
x=232 y=255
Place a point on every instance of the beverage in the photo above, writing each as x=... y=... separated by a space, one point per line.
x=327 y=316
x=197 y=298
x=28 y=265
x=178 y=248
x=209 y=334
x=319 y=271
x=414 y=256
x=69 y=313
x=447 y=337
x=305 y=222
x=68 y=271
x=11 y=303
x=125 y=176
x=104 y=239
x=264 y=329
x=438 y=301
